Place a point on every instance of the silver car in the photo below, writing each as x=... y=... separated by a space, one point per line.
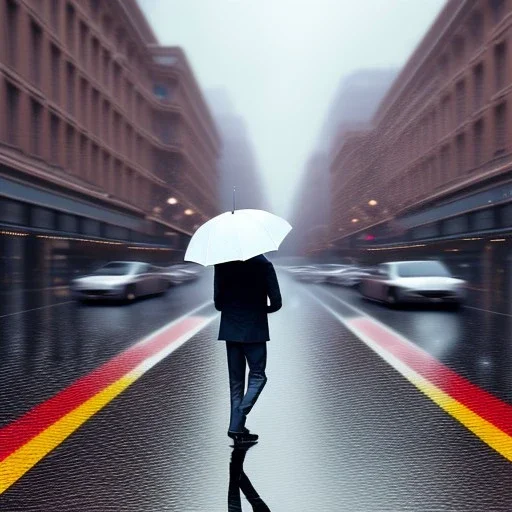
x=350 y=276
x=125 y=280
x=414 y=281
x=182 y=273
x=318 y=273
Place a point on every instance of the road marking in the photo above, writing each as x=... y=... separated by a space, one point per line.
x=25 y=441
x=35 y=309
x=488 y=311
x=482 y=413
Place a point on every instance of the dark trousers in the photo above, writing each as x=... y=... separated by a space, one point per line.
x=242 y=401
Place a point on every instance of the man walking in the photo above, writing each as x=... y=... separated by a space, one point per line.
x=241 y=289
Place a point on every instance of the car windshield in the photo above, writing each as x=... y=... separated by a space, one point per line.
x=115 y=269
x=422 y=269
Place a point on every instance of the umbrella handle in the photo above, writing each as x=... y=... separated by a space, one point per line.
x=234 y=191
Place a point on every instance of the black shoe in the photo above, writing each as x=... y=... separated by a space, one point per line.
x=243 y=437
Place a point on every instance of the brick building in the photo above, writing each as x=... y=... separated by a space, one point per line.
x=104 y=134
x=437 y=161
x=352 y=107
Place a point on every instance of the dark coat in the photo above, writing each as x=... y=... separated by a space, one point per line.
x=240 y=292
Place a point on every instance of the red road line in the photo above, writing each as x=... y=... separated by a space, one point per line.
x=473 y=397
x=20 y=431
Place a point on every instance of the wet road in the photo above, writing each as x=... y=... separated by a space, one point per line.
x=340 y=427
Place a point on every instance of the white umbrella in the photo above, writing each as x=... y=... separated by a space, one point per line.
x=236 y=235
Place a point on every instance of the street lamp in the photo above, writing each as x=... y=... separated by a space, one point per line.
x=373 y=202
x=188 y=211
x=355 y=221
x=172 y=200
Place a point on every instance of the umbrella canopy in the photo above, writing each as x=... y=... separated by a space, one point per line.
x=236 y=236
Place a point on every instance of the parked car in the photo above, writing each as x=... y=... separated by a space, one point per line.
x=182 y=272
x=414 y=281
x=124 y=280
x=350 y=276
x=318 y=273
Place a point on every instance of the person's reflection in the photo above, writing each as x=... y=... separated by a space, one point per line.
x=238 y=481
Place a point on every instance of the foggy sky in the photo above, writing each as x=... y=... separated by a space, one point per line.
x=282 y=60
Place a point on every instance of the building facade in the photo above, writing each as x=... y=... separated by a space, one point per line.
x=442 y=133
x=352 y=107
x=104 y=135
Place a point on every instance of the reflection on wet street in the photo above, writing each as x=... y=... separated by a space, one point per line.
x=239 y=482
x=340 y=428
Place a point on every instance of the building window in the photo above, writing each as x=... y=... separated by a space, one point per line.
x=83 y=102
x=458 y=46
x=70 y=88
x=120 y=39
x=70 y=148
x=106 y=69
x=161 y=91
x=461 y=153
x=12 y=109
x=118 y=179
x=478 y=136
x=70 y=27
x=106 y=121
x=36 y=51
x=460 y=93
x=129 y=99
x=83 y=43
x=55 y=139
x=140 y=160
x=118 y=75
x=107 y=25
x=478 y=79
x=445 y=114
x=12 y=31
x=431 y=174
x=36 y=128
x=95 y=61
x=96 y=112
x=129 y=177
x=55 y=73
x=497 y=9
x=484 y=219
x=105 y=182
x=500 y=114
x=54 y=15
x=95 y=9
x=129 y=141
x=95 y=162
x=500 y=65
x=83 y=156
x=477 y=28
x=445 y=164
x=118 y=132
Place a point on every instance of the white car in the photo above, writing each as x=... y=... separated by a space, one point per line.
x=125 y=280
x=414 y=281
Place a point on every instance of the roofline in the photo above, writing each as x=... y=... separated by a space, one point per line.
x=138 y=20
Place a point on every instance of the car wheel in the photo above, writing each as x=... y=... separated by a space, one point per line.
x=392 y=298
x=130 y=293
